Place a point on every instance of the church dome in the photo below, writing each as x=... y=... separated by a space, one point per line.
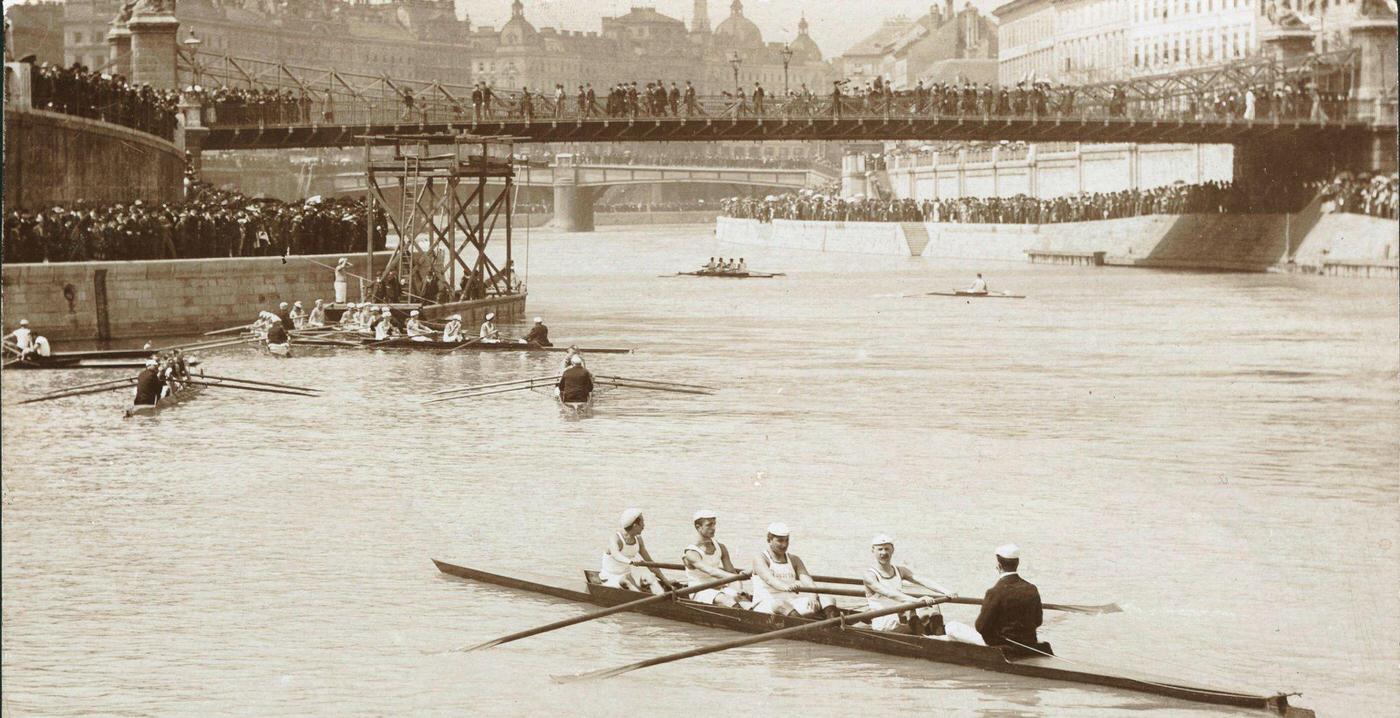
x=518 y=30
x=804 y=48
x=737 y=30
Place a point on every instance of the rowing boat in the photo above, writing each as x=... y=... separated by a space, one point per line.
x=575 y=409
x=480 y=346
x=35 y=362
x=184 y=393
x=976 y=295
x=732 y=275
x=930 y=649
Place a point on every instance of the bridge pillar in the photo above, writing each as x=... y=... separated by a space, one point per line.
x=119 y=48
x=573 y=207
x=1287 y=45
x=153 y=50
x=1376 y=81
x=854 y=180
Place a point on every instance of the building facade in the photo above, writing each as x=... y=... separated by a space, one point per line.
x=34 y=28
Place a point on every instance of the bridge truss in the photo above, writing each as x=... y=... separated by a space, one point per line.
x=442 y=198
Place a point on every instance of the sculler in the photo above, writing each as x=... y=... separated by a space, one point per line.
x=384 y=328
x=576 y=383
x=148 y=384
x=742 y=266
x=710 y=266
x=979 y=286
x=452 y=331
x=707 y=560
x=625 y=549
x=539 y=334
x=284 y=312
x=489 y=332
x=317 y=317
x=417 y=329
x=776 y=573
x=297 y=315
x=1011 y=609
x=884 y=588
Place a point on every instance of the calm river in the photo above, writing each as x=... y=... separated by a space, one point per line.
x=1217 y=453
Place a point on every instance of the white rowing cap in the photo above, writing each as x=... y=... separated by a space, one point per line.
x=539 y=320
x=881 y=540
x=704 y=514
x=628 y=518
x=778 y=529
x=1009 y=551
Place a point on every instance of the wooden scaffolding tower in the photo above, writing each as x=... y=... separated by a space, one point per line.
x=444 y=211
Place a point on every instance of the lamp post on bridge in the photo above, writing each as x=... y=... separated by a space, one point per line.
x=786 y=52
x=735 y=61
x=192 y=43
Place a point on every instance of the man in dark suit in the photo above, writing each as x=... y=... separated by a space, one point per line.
x=1011 y=608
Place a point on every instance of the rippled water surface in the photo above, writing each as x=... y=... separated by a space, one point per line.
x=1217 y=453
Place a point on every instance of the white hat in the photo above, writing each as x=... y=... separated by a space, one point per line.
x=413 y=313
x=704 y=514
x=283 y=305
x=24 y=322
x=881 y=540
x=1010 y=551
x=385 y=310
x=778 y=529
x=539 y=320
x=458 y=317
x=152 y=362
x=343 y=259
x=575 y=359
x=490 y=316
x=629 y=517
x=276 y=319
x=296 y=304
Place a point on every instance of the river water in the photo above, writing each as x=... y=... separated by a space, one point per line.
x=1217 y=453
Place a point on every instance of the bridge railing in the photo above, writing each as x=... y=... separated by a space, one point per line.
x=243 y=93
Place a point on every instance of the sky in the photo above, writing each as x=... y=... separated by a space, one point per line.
x=835 y=24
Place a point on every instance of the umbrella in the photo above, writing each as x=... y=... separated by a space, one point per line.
x=314 y=199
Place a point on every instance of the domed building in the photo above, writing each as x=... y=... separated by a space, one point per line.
x=738 y=31
x=804 y=48
x=517 y=30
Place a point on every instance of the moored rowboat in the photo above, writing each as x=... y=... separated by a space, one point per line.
x=480 y=346
x=188 y=391
x=930 y=649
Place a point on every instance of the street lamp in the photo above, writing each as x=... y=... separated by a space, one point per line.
x=192 y=43
x=736 y=61
x=786 y=52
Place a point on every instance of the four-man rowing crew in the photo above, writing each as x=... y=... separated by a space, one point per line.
x=781 y=584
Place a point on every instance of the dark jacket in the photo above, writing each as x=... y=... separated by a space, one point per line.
x=276 y=334
x=148 y=386
x=1010 y=610
x=539 y=334
x=575 y=384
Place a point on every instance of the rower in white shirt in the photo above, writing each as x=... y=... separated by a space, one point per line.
x=777 y=574
x=707 y=560
x=489 y=332
x=23 y=337
x=884 y=588
x=979 y=286
x=416 y=329
x=452 y=332
x=742 y=267
x=618 y=568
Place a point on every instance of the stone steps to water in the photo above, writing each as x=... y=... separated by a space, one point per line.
x=916 y=236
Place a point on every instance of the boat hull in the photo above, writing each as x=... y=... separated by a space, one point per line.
x=930 y=649
x=189 y=391
x=418 y=344
x=976 y=295
x=731 y=275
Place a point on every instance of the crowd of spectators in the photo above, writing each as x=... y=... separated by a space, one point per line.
x=76 y=90
x=1376 y=195
x=241 y=106
x=1209 y=197
x=209 y=223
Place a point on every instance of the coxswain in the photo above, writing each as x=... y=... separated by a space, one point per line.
x=148 y=384
x=1011 y=609
x=23 y=337
x=884 y=588
x=452 y=331
x=317 y=317
x=776 y=576
x=539 y=334
x=416 y=329
x=384 y=327
x=570 y=355
x=979 y=286
x=284 y=312
x=576 y=383
x=625 y=549
x=297 y=315
x=708 y=560
x=489 y=333
x=278 y=341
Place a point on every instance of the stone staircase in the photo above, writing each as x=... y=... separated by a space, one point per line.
x=916 y=235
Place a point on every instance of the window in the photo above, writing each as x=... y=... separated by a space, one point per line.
x=77 y=38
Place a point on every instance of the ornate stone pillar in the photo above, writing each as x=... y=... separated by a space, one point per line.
x=119 y=48
x=1376 y=81
x=1284 y=45
x=153 y=50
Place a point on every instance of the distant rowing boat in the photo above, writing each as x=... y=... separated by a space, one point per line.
x=50 y=362
x=479 y=346
x=929 y=649
x=575 y=409
x=976 y=295
x=184 y=393
x=730 y=275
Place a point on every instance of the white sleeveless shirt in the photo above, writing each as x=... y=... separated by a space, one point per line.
x=612 y=566
x=893 y=584
x=762 y=591
x=712 y=560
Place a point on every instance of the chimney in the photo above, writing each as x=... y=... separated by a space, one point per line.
x=700 y=17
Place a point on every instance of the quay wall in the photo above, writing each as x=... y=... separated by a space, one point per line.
x=118 y=300
x=57 y=159
x=1309 y=241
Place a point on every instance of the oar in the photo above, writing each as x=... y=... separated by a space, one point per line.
x=630 y=605
x=750 y=640
x=614 y=382
x=202 y=347
x=257 y=383
x=245 y=388
x=463 y=344
x=653 y=381
x=123 y=380
x=455 y=390
x=1069 y=608
x=78 y=393
x=501 y=390
x=229 y=329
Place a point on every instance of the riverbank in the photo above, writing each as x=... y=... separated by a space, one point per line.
x=1310 y=241
x=620 y=219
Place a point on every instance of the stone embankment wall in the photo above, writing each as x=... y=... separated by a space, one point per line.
x=617 y=219
x=1313 y=240
x=57 y=159
x=115 y=300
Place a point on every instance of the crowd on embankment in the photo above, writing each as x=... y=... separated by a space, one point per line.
x=209 y=223
x=1375 y=195
x=76 y=90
